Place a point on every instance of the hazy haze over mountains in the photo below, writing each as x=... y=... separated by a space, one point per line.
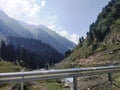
x=11 y=27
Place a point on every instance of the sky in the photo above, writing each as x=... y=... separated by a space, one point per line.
x=69 y=18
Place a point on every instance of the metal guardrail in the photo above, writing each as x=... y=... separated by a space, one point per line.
x=56 y=74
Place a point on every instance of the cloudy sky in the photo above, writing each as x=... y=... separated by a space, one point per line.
x=69 y=18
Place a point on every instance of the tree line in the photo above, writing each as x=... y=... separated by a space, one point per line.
x=26 y=58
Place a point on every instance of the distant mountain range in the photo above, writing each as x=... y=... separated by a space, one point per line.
x=10 y=27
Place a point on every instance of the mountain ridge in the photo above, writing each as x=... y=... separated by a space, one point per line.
x=12 y=27
x=102 y=44
x=40 y=31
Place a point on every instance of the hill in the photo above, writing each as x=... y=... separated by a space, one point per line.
x=11 y=27
x=48 y=36
x=31 y=54
x=38 y=44
x=101 y=47
x=102 y=43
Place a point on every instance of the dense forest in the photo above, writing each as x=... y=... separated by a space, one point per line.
x=30 y=58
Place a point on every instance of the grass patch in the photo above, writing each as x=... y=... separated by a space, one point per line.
x=53 y=85
x=8 y=67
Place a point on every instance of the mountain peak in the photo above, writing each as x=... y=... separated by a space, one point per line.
x=11 y=27
x=2 y=14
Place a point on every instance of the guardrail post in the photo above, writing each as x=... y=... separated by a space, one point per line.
x=110 y=80
x=110 y=77
x=22 y=83
x=75 y=83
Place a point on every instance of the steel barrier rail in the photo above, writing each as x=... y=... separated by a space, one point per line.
x=55 y=74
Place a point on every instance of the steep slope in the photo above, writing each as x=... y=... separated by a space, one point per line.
x=11 y=27
x=102 y=44
x=36 y=46
x=29 y=53
x=100 y=47
x=68 y=44
x=2 y=38
x=50 y=37
x=6 y=31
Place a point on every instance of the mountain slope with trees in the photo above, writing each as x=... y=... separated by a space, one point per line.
x=101 y=47
x=11 y=27
x=36 y=55
x=48 y=36
x=33 y=45
x=102 y=43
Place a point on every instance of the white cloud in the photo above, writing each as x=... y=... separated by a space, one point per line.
x=64 y=33
x=43 y=3
x=25 y=10
x=72 y=37
x=29 y=11
x=51 y=22
x=52 y=27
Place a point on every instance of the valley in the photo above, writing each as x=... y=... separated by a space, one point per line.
x=35 y=47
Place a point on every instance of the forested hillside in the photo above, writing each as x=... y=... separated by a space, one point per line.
x=36 y=55
x=102 y=43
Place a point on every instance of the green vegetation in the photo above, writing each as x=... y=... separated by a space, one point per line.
x=39 y=85
x=8 y=67
x=44 y=85
x=30 y=58
x=53 y=85
x=101 y=47
x=103 y=38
